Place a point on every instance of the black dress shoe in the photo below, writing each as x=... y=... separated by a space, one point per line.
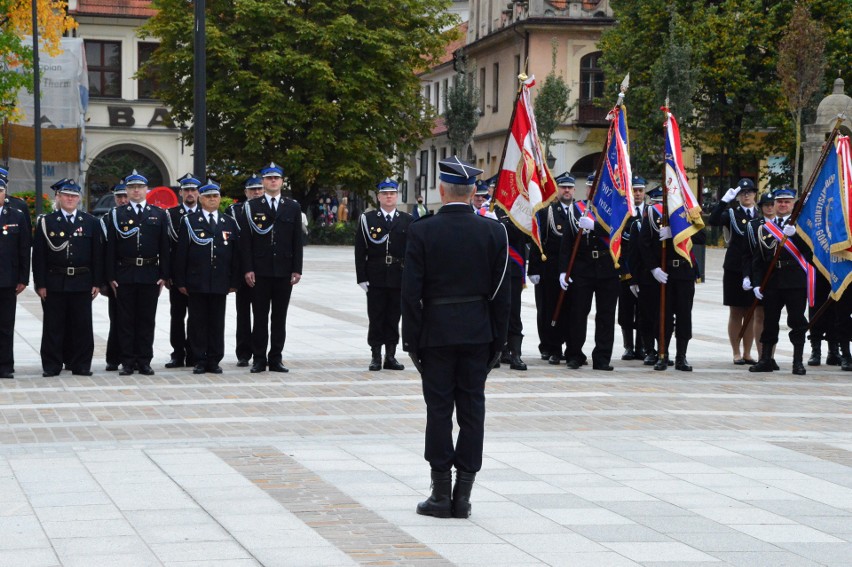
x=554 y=359
x=174 y=363
x=243 y=362
x=601 y=366
x=505 y=359
x=257 y=367
x=515 y=362
x=214 y=369
x=199 y=369
x=799 y=368
x=6 y=375
x=278 y=367
x=126 y=371
x=573 y=363
x=49 y=374
x=629 y=354
x=763 y=365
x=774 y=364
x=682 y=365
x=111 y=367
x=83 y=373
x=546 y=356
x=146 y=370
x=392 y=363
x=661 y=364
x=650 y=359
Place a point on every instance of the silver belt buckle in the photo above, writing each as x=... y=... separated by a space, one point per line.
x=675 y=263
x=388 y=260
x=140 y=262
x=69 y=271
x=595 y=254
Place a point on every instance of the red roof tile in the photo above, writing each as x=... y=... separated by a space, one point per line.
x=126 y=8
x=454 y=45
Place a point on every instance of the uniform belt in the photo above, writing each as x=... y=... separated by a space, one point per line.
x=125 y=261
x=69 y=270
x=393 y=260
x=599 y=254
x=675 y=263
x=449 y=300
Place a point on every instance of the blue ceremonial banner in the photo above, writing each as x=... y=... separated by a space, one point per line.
x=610 y=203
x=824 y=224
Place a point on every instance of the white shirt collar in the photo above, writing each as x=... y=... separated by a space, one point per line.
x=270 y=197
x=385 y=214
x=206 y=215
x=143 y=203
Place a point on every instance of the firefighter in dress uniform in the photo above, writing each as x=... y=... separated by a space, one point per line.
x=68 y=256
x=766 y=205
x=629 y=314
x=544 y=271
x=206 y=271
x=137 y=268
x=517 y=279
x=253 y=189
x=787 y=287
x=455 y=316
x=113 y=348
x=379 y=262
x=181 y=353
x=15 y=240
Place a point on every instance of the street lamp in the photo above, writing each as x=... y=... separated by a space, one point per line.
x=551 y=160
x=37 y=109
x=200 y=92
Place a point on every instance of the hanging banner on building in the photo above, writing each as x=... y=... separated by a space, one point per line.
x=64 y=101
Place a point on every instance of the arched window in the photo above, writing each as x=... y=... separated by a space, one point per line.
x=116 y=162
x=591 y=77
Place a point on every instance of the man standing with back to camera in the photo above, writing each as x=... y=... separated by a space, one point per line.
x=271 y=252
x=455 y=320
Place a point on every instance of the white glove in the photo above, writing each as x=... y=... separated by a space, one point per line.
x=746 y=283
x=562 y=283
x=665 y=232
x=634 y=289
x=586 y=223
x=660 y=275
x=730 y=195
x=364 y=285
x=757 y=293
x=535 y=279
x=789 y=229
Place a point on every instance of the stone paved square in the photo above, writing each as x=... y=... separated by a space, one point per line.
x=324 y=466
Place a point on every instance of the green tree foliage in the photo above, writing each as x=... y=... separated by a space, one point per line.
x=734 y=46
x=325 y=89
x=801 y=69
x=551 y=103
x=461 y=114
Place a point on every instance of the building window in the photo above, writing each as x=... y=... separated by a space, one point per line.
x=482 y=91
x=147 y=83
x=434 y=167
x=438 y=97
x=446 y=92
x=427 y=94
x=103 y=59
x=495 y=81
x=591 y=77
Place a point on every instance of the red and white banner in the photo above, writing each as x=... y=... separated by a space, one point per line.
x=525 y=184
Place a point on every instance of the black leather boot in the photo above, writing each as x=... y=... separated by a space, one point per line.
x=515 y=362
x=814 y=360
x=798 y=353
x=680 y=358
x=376 y=361
x=765 y=364
x=391 y=363
x=438 y=504
x=846 y=359
x=833 y=356
x=461 y=494
x=640 y=347
x=629 y=352
x=662 y=362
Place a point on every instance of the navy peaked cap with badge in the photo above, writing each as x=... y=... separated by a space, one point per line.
x=746 y=184
x=119 y=189
x=387 y=185
x=4 y=174
x=639 y=181
x=590 y=179
x=254 y=182
x=272 y=170
x=566 y=180
x=767 y=198
x=784 y=193
x=188 y=181
x=209 y=188
x=58 y=185
x=481 y=188
x=655 y=194
x=70 y=187
x=135 y=178
x=455 y=171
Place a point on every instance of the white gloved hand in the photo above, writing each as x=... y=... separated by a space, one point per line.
x=562 y=283
x=731 y=194
x=586 y=223
x=660 y=275
x=665 y=232
x=757 y=293
x=789 y=229
x=364 y=285
x=634 y=289
x=535 y=279
x=747 y=283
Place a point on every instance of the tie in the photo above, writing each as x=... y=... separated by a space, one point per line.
x=210 y=220
x=388 y=219
x=274 y=207
x=638 y=212
x=779 y=221
x=138 y=209
x=748 y=214
x=70 y=219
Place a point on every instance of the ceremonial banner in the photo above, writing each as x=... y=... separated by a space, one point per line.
x=824 y=220
x=684 y=211
x=610 y=203
x=525 y=184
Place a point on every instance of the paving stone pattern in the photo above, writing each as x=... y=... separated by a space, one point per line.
x=323 y=466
